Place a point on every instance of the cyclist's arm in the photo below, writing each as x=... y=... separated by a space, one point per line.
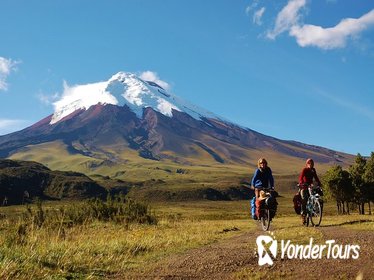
x=255 y=178
x=271 y=179
x=302 y=176
x=317 y=179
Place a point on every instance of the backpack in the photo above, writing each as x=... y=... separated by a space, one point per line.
x=297 y=203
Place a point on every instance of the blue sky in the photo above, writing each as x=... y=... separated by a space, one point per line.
x=297 y=70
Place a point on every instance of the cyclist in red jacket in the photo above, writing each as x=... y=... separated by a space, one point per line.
x=306 y=179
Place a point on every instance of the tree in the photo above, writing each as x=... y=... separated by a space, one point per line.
x=347 y=189
x=339 y=187
x=369 y=179
x=357 y=171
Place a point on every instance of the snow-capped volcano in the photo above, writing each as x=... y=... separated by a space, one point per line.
x=124 y=89
x=105 y=123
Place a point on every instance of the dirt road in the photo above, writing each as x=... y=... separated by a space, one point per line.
x=235 y=258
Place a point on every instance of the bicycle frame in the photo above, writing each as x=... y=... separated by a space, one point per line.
x=314 y=206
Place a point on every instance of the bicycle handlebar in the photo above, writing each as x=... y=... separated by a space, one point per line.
x=309 y=186
x=265 y=188
x=259 y=188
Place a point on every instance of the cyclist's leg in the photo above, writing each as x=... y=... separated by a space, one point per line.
x=258 y=207
x=257 y=211
x=304 y=198
x=257 y=192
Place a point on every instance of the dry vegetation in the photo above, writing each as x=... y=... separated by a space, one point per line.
x=53 y=241
x=83 y=240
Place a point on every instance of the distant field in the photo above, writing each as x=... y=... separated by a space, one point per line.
x=128 y=166
x=159 y=180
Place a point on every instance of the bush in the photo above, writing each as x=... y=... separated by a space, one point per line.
x=116 y=210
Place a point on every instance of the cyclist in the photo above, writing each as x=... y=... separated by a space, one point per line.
x=262 y=178
x=306 y=179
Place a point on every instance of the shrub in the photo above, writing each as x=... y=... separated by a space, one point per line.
x=116 y=210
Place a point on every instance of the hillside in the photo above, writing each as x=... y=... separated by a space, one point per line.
x=17 y=176
x=22 y=181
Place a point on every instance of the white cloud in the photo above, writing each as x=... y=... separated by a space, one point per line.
x=248 y=10
x=9 y=125
x=153 y=77
x=258 y=16
x=48 y=99
x=287 y=17
x=6 y=66
x=306 y=35
x=334 y=37
x=251 y=7
x=81 y=96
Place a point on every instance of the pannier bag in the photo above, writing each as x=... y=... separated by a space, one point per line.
x=297 y=203
x=272 y=204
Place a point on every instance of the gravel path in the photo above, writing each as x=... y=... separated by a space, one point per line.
x=235 y=258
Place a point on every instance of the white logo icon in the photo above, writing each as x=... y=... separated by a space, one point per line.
x=263 y=255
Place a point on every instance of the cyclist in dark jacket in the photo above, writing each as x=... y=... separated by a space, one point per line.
x=262 y=178
x=306 y=179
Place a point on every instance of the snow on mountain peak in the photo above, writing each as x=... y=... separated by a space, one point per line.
x=81 y=97
x=125 y=89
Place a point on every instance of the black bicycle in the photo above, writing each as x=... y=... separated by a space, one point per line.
x=314 y=206
x=268 y=208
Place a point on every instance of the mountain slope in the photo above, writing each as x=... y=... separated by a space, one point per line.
x=125 y=118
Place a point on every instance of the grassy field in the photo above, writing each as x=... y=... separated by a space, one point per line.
x=100 y=249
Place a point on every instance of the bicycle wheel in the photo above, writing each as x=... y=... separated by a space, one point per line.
x=316 y=213
x=265 y=219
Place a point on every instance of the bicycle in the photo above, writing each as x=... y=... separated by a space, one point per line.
x=268 y=208
x=314 y=206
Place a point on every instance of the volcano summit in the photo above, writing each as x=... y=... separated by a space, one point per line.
x=124 y=89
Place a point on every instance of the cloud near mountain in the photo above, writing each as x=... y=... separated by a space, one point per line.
x=7 y=65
